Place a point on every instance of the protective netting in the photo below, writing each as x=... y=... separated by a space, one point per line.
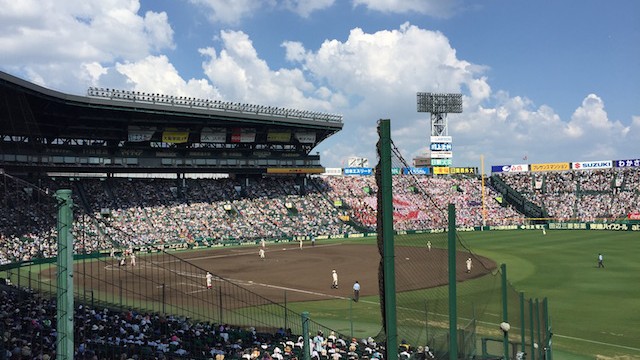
x=128 y=291
x=422 y=286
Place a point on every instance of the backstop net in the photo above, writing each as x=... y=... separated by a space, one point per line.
x=485 y=298
x=119 y=274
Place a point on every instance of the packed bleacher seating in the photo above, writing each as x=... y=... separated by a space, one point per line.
x=583 y=195
x=121 y=212
x=28 y=323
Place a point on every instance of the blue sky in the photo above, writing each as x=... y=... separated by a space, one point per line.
x=552 y=80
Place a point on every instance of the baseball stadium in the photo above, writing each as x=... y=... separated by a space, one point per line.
x=147 y=226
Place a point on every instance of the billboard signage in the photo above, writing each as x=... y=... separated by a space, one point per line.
x=306 y=137
x=213 y=135
x=415 y=171
x=628 y=163
x=241 y=135
x=441 y=170
x=550 y=167
x=441 y=139
x=441 y=154
x=587 y=165
x=140 y=133
x=510 y=168
x=463 y=170
x=278 y=136
x=440 y=147
x=175 y=137
x=333 y=171
x=358 y=171
x=441 y=162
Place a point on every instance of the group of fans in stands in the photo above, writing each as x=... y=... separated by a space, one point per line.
x=28 y=326
x=134 y=212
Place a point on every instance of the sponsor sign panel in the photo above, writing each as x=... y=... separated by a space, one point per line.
x=278 y=136
x=441 y=162
x=634 y=216
x=358 y=171
x=140 y=133
x=175 y=137
x=510 y=168
x=588 y=165
x=441 y=155
x=440 y=147
x=333 y=171
x=628 y=163
x=395 y=171
x=213 y=135
x=441 y=170
x=319 y=170
x=463 y=170
x=306 y=137
x=550 y=167
x=441 y=139
x=242 y=135
x=415 y=171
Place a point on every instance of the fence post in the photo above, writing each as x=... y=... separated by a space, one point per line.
x=547 y=344
x=306 y=353
x=505 y=313
x=286 y=311
x=531 y=332
x=164 y=299
x=522 y=323
x=453 y=309
x=220 y=303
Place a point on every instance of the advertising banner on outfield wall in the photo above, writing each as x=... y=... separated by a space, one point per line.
x=627 y=163
x=415 y=171
x=440 y=170
x=213 y=135
x=441 y=139
x=358 y=171
x=333 y=171
x=510 y=168
x=551 y=167
x=588 y=165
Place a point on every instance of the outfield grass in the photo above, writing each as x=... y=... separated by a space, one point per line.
x=593 y=311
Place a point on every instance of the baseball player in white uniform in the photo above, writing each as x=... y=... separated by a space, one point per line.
x=261 y=253
x=334 y=283
x=469 y=265
x=209 y=280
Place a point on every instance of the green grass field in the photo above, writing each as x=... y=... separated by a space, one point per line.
x=593 y=311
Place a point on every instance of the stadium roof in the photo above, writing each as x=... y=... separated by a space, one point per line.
x=38 y=121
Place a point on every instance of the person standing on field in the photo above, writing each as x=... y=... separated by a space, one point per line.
x=261 y=253
x=334 y=283
x=429 y=245
x=356 y=291
x=469 y=262
x=600 y=261
x=209 y=278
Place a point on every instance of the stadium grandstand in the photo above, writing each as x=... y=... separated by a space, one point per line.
x=152 y=175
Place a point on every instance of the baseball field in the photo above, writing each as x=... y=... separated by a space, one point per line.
x=594 y=311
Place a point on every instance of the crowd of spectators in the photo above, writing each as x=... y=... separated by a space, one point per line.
x=582 y=195
x=124 y=213
x=29 y=331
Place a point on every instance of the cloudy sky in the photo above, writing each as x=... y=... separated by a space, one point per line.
x=546 y=80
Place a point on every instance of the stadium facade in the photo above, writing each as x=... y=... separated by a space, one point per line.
x=114 y=131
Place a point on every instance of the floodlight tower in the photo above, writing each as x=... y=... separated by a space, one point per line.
x=439 y=105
